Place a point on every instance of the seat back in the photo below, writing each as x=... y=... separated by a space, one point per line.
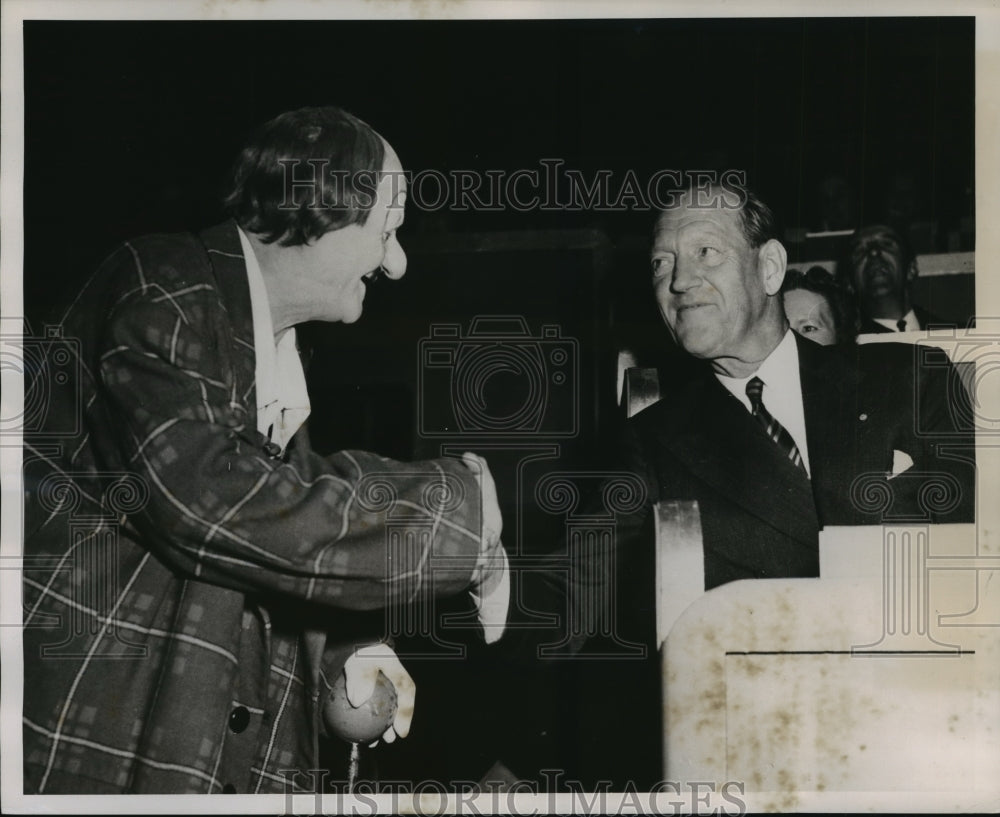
x=872 y=682
x=680 y=562
x=641 y=388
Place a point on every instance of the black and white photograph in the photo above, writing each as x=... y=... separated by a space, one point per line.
x=499 y=407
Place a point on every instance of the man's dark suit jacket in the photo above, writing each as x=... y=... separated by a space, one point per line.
x=761 y=515
x=869 y=326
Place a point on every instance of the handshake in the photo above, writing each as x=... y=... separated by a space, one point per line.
x=490 y=591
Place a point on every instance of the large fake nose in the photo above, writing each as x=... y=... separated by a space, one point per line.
x=394 y=263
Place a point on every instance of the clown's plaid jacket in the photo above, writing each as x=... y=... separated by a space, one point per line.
x=183 y=589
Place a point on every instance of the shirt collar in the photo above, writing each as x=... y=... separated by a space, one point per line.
x=783 y=391
x=779 y=371
x=912 y=324
x=280 y=383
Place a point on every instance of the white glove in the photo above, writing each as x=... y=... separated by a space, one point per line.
x=491 y=579
x=360 y=672
x=492 y=598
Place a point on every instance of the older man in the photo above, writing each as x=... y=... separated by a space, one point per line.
x=190 y=564
x=774 y=436
x=778 y=436
x=881 y=268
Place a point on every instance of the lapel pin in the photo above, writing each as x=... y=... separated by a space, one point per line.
x=863 y=417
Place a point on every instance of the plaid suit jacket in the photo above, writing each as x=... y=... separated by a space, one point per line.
x=179 y=582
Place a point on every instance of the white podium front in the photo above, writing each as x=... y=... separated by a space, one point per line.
x=876 y=686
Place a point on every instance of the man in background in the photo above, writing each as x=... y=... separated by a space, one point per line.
x=881 y=268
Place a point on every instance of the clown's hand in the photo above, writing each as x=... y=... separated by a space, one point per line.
x=361 y=673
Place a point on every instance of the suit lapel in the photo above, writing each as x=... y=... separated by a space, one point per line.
x=721 y=443
x=833 y=411
x=225 y=255
x=872 y=327
x=927 y=319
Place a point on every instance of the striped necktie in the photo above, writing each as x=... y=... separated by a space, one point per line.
x=775 y=430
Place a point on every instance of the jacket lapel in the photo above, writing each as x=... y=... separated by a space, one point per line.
x=829 y=397
x=225 y=255
x=844 y=430
x=872 y=327
x=724 y=446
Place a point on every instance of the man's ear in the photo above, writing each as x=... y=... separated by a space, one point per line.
x=772 y=260
x=913 y=271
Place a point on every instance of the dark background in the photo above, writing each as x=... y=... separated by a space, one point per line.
x=130 y=128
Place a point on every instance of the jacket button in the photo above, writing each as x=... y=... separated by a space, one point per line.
x=229 y=788
x=239 y=719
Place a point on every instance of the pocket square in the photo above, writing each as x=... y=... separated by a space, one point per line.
x=901 y=461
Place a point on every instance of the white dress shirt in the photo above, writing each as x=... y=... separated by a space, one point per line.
x=282 y=399
x=782 y=395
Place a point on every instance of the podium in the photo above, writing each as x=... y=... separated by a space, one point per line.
x=876 y=686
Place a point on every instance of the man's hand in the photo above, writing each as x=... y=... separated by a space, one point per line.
x=360 y=673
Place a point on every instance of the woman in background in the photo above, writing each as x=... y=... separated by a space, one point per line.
x=818 y=309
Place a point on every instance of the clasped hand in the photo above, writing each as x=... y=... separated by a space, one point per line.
x=490 y=590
